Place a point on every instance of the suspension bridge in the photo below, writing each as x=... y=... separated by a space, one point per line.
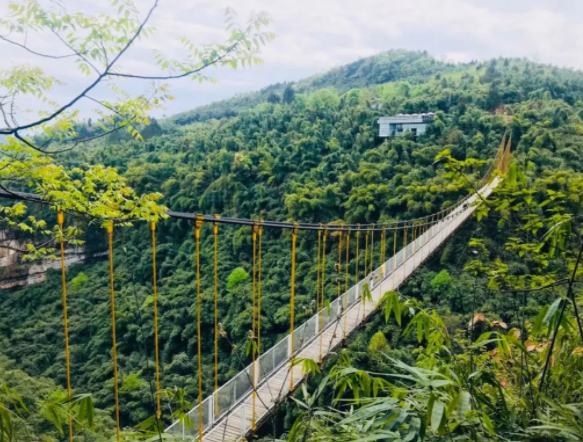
x=246 y=401
x=236 y=409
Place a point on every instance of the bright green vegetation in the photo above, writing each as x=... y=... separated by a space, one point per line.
x=308 y=152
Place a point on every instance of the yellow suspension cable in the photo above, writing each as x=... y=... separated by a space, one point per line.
x=259 y=259
x=423 y=241
x=339 y=265
x=405 y=247
x=394 y=256
x=372 y=250
x=114 y=340
x=365 y=272
x=292 y=301
x=431 y=228
x=382 y=259
x=383 y=246
x=253 y=328
x=366 y=233
x=413 y=237
x=60 y=221
x=318 y=271
x=156 y=346
x=216 y=305
x=356 y=275
x=507 y=155
x=322 y=291
x=197 y=227
x=421 y=233
x=346 y=261
x=339 y=261
x=426 y=228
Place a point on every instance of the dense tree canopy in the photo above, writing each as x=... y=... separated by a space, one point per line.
x=307 y=151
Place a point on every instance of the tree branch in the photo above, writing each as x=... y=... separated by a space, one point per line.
x=182 y=75
x=14 y=131
x=76 y=52
x=28 y=143
x=84 y=140
x=26 y=48
x=14 y=249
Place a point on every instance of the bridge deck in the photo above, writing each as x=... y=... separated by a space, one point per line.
x=236 y=422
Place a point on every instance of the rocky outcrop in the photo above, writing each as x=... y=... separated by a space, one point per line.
x=14 y=272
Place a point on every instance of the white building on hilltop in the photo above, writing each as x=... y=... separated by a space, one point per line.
x=402 y=123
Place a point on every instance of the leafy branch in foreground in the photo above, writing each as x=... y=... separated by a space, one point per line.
x=97 y=44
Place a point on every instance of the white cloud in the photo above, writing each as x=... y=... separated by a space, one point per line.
x=316 y=35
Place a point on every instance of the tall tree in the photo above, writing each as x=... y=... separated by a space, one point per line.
x=288 y=94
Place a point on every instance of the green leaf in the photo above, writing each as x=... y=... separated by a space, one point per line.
x=453 y=404
x=465 y=403
x=552 y=310
x=430 y=404
x=488 y=424
x=397 y=308
x=538 y=322
x=437 y=416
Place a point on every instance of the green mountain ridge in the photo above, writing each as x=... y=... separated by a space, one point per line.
x=388 y=66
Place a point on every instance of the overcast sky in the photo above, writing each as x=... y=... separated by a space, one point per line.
x=315 y=35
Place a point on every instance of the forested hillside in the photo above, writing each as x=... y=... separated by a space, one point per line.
x=305 y=151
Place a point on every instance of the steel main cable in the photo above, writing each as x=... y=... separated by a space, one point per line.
x=396 y=225
x=501 y=161
x=60 y=222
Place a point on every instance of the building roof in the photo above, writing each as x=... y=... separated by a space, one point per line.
x=408 y=118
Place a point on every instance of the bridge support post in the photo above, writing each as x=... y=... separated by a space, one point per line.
x=211 y=410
